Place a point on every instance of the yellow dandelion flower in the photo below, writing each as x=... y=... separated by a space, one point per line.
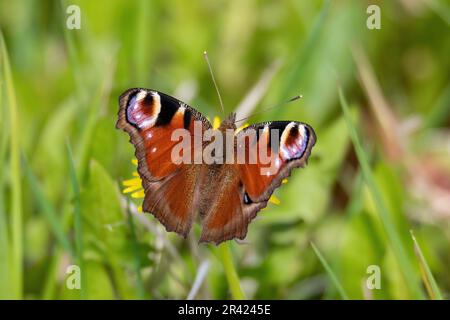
x=216 y=122
x=242 y=127
x=134 y=185
x=273 y=199
x=138 y=194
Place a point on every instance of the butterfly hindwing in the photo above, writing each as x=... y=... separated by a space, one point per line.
x=223 y=218
x=172 y=200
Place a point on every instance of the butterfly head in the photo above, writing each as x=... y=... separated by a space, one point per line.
x=229 y=122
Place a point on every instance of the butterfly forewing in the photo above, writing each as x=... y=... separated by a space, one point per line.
x=291 y=149
x=150 y=118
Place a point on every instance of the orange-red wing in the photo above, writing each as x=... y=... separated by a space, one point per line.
x=151 y=118
x=223 y=215
x=277 y=148
x=172 y=200
x=243 y=189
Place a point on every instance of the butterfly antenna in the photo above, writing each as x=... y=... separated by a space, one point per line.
x=273 y=107
x=205 y=54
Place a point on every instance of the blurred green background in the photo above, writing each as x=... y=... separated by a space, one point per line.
x=379 y=101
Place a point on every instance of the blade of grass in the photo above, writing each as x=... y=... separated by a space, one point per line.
x=356 y=202
x=427 y=276
x=5 y=288
x=3 y=125
x=380 y=107
x=49 y=287
x=78 y=223
x=230 y=272
x=137 y=259
x=331 y=274
x=47 y=209
x=382 y=209
x=16 y=187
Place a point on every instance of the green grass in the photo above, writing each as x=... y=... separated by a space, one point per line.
x=136 y=256
x=78 y=222
x=382 y=209
x=230 y=271
x=304 y=54
x=440 y=111
x=4 y=234
x=430 y=283
x=331 y=274
x=48 y=211
x=16 y=252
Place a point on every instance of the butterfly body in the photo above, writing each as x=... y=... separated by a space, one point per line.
x=224 y=190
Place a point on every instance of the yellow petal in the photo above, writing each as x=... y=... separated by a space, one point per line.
x=135 y=174
x=242 y=127
x=131 y=182
x=284 y=181
x=216 y=122
x=138 y=194
x=274 y=200
x=131 y=189
x=140 y=209
x=134 y=161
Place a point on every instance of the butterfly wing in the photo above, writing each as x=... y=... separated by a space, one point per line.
x=250 y=184
x=221 y=209
x=295 y=141
x=150 y=117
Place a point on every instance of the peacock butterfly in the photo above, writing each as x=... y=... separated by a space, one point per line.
x=225 y=194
